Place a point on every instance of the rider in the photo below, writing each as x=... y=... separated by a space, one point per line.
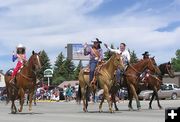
x=21 y=57
x=146 y=55
x=146 y=73
x=125 y=56
x=96 y=55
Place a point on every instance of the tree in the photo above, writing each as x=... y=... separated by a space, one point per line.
x=68 y=69
x=134 y=58
x=45 y=62
x=108 y=54
x=77 y=70
x=58 y=69
x=176 y=61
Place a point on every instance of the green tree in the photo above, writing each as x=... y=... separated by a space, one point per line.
x=45 y=62
x=134 y=58
x=108 y=54
x=77 y=70
x=58 y=69
x=176 y=61
x=68 y=69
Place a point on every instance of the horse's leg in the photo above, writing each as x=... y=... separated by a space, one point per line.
x=130 y=96
x=106 y=93
x=113 y=97
x=157 y=97
x=34 y=98
x=152 y=98
x=83 y=98
x=136 y=97
x=30 y=99
x=101 y=103
x=21 y=94
x=87 y=96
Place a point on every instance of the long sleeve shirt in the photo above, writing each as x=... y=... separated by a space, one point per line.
x=93 y=56
x=125 y=56
x=20 y=57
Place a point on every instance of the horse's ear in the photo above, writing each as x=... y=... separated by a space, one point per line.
x=39 y=53
x=153 y=57
x=33 y=52
x=169 y=62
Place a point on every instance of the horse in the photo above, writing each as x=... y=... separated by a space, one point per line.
x=132 y=74
x=155 y=81
x=104 y=78
x=24 y=80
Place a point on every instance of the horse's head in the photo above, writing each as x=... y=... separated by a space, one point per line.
x=166 y=68
x=152 y=66
x=117 y=61
x=35 y=61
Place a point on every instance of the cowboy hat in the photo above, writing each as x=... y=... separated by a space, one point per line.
x=21 y=46
x=97 y=41
x=146 y=53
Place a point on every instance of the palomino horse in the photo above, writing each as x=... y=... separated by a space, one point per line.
x=132 y=74
x=24 y=80
x=105 y=81
x=155 y=81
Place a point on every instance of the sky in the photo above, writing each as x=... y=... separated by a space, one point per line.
x=144 y=25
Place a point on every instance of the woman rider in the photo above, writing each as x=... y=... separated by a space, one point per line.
x=96 y=55
x=20 y=56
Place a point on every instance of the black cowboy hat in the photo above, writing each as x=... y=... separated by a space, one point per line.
x=97 y=41
x=146 y=53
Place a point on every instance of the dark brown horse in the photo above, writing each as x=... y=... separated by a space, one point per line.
x=132 y=74
x=24 y=80
x=154 y=82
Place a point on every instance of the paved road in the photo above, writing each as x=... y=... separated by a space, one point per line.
x=71 y=112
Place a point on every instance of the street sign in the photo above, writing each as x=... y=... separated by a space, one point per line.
x=48 y=73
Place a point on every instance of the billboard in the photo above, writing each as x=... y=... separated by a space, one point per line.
x=76 y=52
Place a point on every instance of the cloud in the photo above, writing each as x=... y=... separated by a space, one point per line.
x=50 y=25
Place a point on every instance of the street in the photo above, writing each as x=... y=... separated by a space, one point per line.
x=71 y=112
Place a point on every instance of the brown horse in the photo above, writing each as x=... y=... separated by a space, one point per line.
x=24 y=80
x=132 y=74
x=105 y=81
x=154 y=82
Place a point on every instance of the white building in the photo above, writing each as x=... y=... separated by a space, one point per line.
x=2 y=82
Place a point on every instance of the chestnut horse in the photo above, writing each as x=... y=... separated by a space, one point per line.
x=24 y=80
x=154 y=82
x=105 y=80
x=132 y=74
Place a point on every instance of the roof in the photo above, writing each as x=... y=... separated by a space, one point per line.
x=73 y=83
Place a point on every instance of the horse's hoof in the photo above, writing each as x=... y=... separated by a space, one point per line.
x=139 y=108
x=85 y=110
x=150 y=108
x=116 y=109
x=130 y=109
x=19 y=110
x=30 y=109
x=13 y=112
x=100 y=111
x=160 y=107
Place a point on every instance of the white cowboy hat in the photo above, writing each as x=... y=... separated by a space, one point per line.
x=21 y=46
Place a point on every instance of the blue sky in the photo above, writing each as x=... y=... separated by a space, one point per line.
x=152 y=25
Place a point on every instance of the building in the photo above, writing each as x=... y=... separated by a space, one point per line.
x=175 y=80
x=65 y=83
x=2 y=82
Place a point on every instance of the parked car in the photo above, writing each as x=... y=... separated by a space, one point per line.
x=167 y=90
